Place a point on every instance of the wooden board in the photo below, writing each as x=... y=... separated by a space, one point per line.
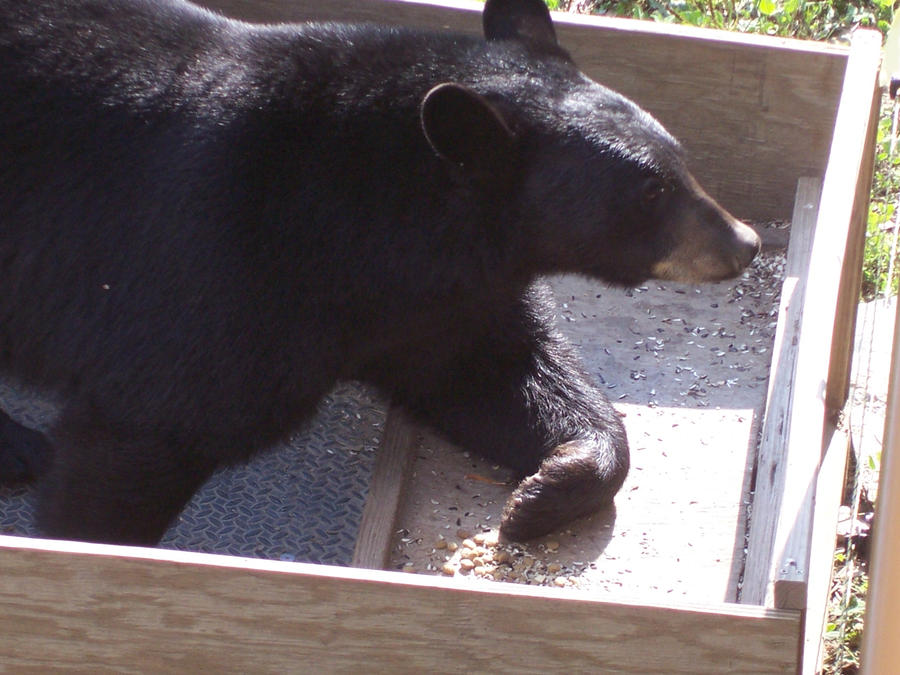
x=769 y=484
x=829 y=492
x=755 y=113
x=852 y=272
x=792 y=491
x=102 y=608
x=390 y=475
x=835 y=228
x=882 y=621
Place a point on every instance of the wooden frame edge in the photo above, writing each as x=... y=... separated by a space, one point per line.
x=88 y=607
x=393 y=464
x=829 y=491
x=837 y=226
x=281 y=10
x=779 y=400
x=882 y=621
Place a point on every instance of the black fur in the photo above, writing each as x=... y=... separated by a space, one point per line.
x=206 y=224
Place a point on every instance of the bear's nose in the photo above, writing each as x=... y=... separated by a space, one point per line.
x=747 y=244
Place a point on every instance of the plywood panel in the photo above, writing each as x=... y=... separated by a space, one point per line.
x=92 y=608
x=754 y=113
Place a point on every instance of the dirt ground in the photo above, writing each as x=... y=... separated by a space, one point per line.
x=687 y=367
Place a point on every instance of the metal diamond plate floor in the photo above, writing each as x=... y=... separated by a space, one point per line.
x=300 y=501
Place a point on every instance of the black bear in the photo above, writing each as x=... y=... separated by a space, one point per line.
x=205 y=224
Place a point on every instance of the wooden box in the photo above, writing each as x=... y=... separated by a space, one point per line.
x=776 y=129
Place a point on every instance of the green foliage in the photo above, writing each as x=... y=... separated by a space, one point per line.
x=874 y=462
x=846 y=612
x=881 y=233
x=877 y=253
x=816 y=20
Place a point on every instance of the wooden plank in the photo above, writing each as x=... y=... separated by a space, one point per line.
x=854 y=129
x=789 y=567
x=851 y=274
x=392 y=468
x=768 y=101
x=777 y=419
x=89 y=608
x=829 y=491
x=882 y=620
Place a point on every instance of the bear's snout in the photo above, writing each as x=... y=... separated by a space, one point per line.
x=710 y=244
x=747 y=245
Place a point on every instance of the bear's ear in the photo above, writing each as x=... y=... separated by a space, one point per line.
x=518 y=20
x=464 y=128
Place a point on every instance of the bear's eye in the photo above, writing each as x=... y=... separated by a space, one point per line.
x=651 y=191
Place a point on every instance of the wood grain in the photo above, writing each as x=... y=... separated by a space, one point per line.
x=796 y=470
x=392 y=468
x=854 y=131
x=851 y=273
x=754 y=113
x=829 y=491
x=91 y=608
x=779 y=401
x=882 y=621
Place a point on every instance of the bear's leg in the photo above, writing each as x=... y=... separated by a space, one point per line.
x=519 y=396
x=25 y=454
x=107 y=486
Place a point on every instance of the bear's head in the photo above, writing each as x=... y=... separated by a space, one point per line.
x=598 y=186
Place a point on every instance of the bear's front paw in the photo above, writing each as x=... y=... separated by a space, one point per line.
x=574 y=481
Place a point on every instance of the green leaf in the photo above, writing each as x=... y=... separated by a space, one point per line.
x=694 y=17
x=767 y=6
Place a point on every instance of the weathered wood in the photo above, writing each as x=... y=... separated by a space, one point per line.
x=392 y=467
x=92 y=608
x=853 y=133
x=851 y=274
x=882 y=620
x=789 y=567
x=777 y=419
x=754 y=113
x=829 y=491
